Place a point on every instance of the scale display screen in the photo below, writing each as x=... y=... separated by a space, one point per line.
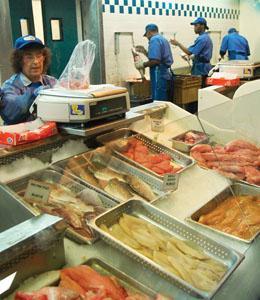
x=108 y=107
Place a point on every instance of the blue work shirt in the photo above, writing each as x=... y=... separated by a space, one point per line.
x=202 y=50
x=18 y=96
x=160 y=49
x=236 y=45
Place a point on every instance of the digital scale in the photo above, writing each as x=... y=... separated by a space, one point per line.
x=81 y=106
x=86 y=112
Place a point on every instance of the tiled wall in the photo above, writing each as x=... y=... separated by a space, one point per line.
x=172 y=17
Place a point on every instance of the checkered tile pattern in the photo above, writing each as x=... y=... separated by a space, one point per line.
x=161 y=8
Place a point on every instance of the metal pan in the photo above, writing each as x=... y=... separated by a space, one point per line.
x=130 y=283
x=181 y=159
x=19 y=186
x=100 y=266
x=238 y=189
x=82 y=161
x=147 y=212
x=184 y=147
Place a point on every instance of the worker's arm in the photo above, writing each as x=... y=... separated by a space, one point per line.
x=15 y=103
x=151 y=63
x=182 y=47
x=224 y=46
x=247 y=49
x=197 y=48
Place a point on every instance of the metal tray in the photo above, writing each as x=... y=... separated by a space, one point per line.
x=143 y=210
x=238 y=189
x=19 y=185
x=103 y=268
x=178 y=157
x=116 y=164
x=183 y=147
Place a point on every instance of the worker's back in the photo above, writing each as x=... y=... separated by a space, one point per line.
x=236 y=45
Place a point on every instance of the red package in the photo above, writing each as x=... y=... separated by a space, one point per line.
x=27 y=132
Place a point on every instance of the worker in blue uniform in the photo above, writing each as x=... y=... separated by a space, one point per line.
x=30 y=60
x=236 y=45
x=159 y=61
x=201 y=51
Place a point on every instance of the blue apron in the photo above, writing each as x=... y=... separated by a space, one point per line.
x=160 y=77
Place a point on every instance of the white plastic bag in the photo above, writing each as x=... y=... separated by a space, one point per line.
x=76 y=74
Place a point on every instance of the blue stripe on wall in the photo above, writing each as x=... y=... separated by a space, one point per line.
x=149 y=7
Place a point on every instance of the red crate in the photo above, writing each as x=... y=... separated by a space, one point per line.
x=223 y=81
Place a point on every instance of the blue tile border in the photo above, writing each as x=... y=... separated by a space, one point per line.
x=162 y=8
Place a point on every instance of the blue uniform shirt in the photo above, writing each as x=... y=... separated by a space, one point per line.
x=202 y=50
x=236 y=45
x=18 y=96
x=160 y=75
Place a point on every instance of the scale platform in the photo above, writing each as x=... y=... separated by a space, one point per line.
x=97 y=127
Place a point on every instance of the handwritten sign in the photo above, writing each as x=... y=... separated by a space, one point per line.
x=37 y=191
x=170 y=182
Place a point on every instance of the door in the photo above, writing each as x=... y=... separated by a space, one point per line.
x=21 y=17
x=60 y=32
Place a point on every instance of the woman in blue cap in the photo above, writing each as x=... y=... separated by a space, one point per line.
x=30 y=60
x=160 y=61
x=236 y=45
x=200 y=51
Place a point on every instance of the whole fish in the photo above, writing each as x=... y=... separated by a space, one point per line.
x=107 y=174
x=118 y=189
x=140 y=187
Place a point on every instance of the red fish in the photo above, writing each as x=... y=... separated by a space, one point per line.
x=49 y=293
x=90 y=280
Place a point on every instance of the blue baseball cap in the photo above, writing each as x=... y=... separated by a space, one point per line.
x=200 y=21
x=26 y=40
x=232 y=30
x=151 y=27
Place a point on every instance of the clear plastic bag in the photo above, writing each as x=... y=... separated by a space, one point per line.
x=76 y=74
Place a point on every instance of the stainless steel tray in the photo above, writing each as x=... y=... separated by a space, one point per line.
x=105 y=269
x=167 y=223
x=183 y=147
x=47 y=175
x=238 y=189
x=116 y=164
x=100 y=266
x=181 y=159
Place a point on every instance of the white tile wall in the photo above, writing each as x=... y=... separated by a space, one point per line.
x=120 y=67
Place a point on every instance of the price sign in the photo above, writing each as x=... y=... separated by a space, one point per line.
x=170 y=182
x=157 y=125
x=37 y=191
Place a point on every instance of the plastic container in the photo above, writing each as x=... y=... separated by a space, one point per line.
x=223 y=81
x=186 y=88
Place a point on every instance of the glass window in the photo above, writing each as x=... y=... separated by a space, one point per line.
x=24 y=26
x=56 y=29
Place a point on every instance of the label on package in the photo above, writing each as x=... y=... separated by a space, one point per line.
x=77 y=109
x=170 y=182
x=37 y=191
